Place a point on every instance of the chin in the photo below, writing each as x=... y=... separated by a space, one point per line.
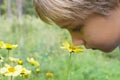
x=108 y=50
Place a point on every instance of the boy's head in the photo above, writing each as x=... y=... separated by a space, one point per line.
x=65 y=12
x=85 y=19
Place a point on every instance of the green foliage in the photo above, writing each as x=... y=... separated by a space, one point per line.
x=4 y=7
x=42 y=42
x=27 y=6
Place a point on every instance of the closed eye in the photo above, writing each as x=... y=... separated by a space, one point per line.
x=76 y=29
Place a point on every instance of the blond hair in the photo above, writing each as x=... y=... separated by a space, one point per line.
x=60 y=11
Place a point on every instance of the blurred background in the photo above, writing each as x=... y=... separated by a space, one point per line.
x=19 y=24
x=18 y=8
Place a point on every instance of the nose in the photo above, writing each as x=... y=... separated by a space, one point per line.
x=78 y=42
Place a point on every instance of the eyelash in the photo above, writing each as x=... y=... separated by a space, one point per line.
x=77 y=29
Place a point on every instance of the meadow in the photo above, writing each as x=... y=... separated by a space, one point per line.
x=42 y=43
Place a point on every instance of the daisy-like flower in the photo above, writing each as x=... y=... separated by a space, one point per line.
x=49 y=75
x=25 y=72
x=17 y=60
x=9 y=46
x=33 y=62
x=37 y=70
x=3 y=70
x=67 y=46
x=13 y=59
x=11 y=71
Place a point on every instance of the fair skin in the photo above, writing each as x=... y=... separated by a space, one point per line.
x=98 y=32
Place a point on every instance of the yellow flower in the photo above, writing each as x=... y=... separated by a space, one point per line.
x=20 y=62
x=49 y=75
x=70 y=48
x=25 y=72
x=9 y=46
x=11 y=71
x=33 y=62
x=37 y=70
x=17 y=60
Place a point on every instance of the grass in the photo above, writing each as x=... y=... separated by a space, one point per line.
x=42 y=42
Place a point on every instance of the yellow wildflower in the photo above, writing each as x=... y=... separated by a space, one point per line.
x=33 y=62
x=20 y=62
x=70 y=48
x=13 y=59
x=25 y=72
x=37 y=70
x=9 y=46
x=11 y=71
x=49 y=75
x=17 y=60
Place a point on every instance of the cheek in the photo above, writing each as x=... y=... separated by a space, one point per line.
x=98 y=36
x=102 y=43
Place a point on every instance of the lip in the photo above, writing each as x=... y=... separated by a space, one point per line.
x=88 y=47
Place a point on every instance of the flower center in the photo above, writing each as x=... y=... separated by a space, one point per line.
x=11 y=69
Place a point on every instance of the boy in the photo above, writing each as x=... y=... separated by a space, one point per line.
x=93 y=23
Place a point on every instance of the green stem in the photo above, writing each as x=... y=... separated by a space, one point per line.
x=8 y=56
x=8 y=53
x=11 y=78
x=69 y=67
